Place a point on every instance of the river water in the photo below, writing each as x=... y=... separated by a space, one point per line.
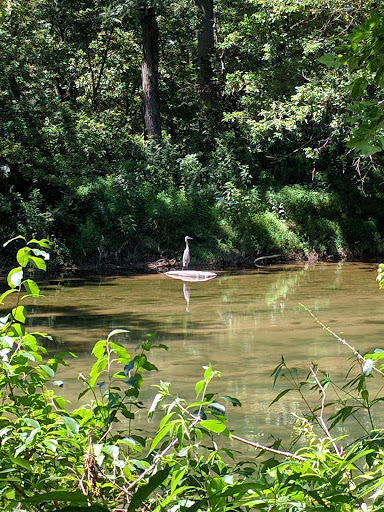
x=241 y=322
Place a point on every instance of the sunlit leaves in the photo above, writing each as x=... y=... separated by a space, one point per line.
x=18 y=237
x=380 y=275
x=367 y=367
x=215 y=426
x=15 y=277
x=47 y=370
x=363 y=56
x=116 y=331
x=199 y=387
x=23 y=256
x=71 y=423
x=167 y=429
x=36 y=257
x=31 y=288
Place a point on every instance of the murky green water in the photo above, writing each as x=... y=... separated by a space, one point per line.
x=240 y=322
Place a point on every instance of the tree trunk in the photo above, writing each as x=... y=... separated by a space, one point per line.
x=206 y=45
x=150 y=72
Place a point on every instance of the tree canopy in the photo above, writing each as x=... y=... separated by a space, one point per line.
x=253 y=127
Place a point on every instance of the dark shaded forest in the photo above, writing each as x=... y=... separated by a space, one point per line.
x=255 y=127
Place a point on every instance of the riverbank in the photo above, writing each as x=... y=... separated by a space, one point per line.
x=162 y=265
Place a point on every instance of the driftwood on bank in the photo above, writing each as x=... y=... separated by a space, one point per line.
x=261 y=258
x=162 y=265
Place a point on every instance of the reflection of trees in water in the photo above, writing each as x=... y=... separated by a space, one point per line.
x=250 y=299
x=286 y=283
x=283 y=285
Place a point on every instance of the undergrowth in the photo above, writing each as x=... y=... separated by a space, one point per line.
x=231 y=224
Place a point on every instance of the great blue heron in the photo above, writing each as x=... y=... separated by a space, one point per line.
x=186 y=256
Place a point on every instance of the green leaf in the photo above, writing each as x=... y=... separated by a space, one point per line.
x=144 y=491
x=363 y=146
x=161 y=434
x=38 y=262
x=47 y=370
x=242 y=488
x=208 y=372
x=130 y=442
x=330 y=60
x=116 y=331
x=161 y=345
x=99 y=348
x=17 y=330
x=19 y=314
x=177 y=475
x=12 y=239
x=5 y=294
x=199 y=386
x=19 y=461
x=71 y=424
x=31 y=422
x=171 y=497
x=112 y=450
x=15 y=277
x=23 y=256
x=60 y=495
x=276 y=372
x=41 y=254
x=120 y=351
x=198 y=505
x=280 y=395
x=213 y=425
x=44 y=242
x=31 y=287
x=234 y=401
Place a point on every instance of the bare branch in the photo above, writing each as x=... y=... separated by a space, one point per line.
x=321 y=417
x=356 y=353
x=246 y=441
x=259 y=446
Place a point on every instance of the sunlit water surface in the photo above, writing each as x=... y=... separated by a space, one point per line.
x=241 y=322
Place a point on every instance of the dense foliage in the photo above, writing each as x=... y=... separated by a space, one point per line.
x=252 y=156
x=90 y=456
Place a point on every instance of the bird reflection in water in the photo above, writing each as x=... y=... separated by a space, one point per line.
x=187 y=295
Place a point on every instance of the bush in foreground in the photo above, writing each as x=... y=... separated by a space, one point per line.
x=93 y=459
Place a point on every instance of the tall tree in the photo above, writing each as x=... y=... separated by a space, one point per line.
x=150 y=72
x=206 y=43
